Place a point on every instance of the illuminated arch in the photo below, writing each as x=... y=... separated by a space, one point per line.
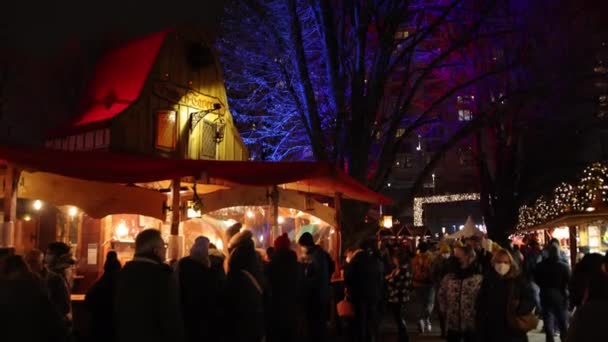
x=420 y=201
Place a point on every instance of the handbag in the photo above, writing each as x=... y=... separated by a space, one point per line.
x=345 y=308
x=522 y=323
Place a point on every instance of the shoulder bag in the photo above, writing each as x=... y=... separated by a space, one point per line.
x=522 y=323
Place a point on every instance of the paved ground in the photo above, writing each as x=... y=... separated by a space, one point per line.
x=389 y=334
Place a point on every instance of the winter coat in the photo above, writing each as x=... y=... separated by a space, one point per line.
x=399 y=285
x=364 y=278
x=244 y=297
x=495 y=295
x=316 y=276
x=422 y=269
x=146 y=304
x=199 y=289
x=588 y=322
x=457 y=299
x=217 y=258
x=553 y=277
x=284 y=275
x=441 y=267
x=26 y=313
x=59 y=291
x=99 y=301
x=483 y=262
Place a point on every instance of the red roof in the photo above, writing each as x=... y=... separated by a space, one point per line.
x=313 y=177
x=116 y=84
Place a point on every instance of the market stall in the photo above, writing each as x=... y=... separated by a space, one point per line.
x=294 y=196
x=574 y=214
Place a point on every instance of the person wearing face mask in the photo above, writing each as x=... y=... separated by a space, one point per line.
x=504 y=295
x=458 y=294
x=146 y=301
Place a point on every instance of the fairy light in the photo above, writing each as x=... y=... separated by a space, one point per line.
x=568 y=198
x=419 y=202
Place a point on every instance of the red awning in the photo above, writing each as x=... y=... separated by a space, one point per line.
x=313 y=177
x=116 y=84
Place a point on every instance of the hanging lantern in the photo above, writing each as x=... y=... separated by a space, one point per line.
x=387 y=222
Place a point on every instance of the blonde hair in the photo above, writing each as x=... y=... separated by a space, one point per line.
x=514 y=270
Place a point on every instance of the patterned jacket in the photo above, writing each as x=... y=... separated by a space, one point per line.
x=457 y=299
x=399 y=284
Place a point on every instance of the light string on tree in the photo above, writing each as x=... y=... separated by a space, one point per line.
x=568 y=198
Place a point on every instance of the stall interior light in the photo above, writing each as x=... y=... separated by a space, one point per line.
x=191 y=213
x=73 y=211
x=281 y=219
x=27 y=218
x=387 y=222
x=37 y=205
x=219 y=244
x=122 y=230
x=250 y=214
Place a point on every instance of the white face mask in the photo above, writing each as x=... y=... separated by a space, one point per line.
x=446 y=255
x=502 y=268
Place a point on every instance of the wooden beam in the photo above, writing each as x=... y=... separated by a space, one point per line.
x=338 y=235
x=274 y=228
x=573 y=245
x=174 y=240
x=11 y=180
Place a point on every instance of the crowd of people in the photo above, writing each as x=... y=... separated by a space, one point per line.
x=240 y=295
x=491 y=294
x=479 y=292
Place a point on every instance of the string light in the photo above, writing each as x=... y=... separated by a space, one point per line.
x=568 y=198
x=419 y=202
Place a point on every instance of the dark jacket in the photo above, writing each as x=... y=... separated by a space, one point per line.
x=364 y=279
x=316 y=275
x=199 y=289
x=59 y=292
x=243 y=299
x=217 y=258
x=588 y=322
x=99 y=301
x=484 y=261
x=494 y=296
x=146 y=303
x=553 y=277
x=284 y=275
x=27 y=315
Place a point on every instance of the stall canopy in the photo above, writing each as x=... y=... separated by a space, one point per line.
x=312 y=177
x=468 y=230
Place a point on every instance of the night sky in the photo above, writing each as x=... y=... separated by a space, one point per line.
x=42 y=27
x=48 y=45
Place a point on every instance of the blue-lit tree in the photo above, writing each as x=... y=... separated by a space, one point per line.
x=335 y=81
x=350 y=81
